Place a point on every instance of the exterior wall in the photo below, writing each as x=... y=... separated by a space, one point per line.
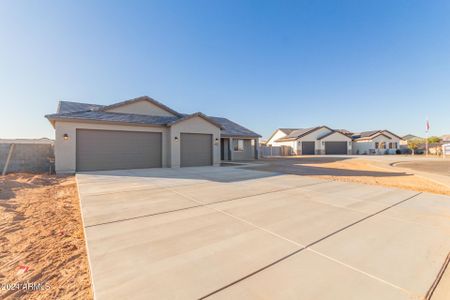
x=336 y=137
x=65 y=150
x=192 y=125
x=278 y=135
x=141 y=108
x=247 y=154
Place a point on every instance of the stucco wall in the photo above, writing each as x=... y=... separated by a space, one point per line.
x=336 y=137
x=312 y=137
x=141 y=108
x=247 y=154
x=193 y=125
x=65 y=150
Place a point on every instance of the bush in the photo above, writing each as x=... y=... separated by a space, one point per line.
x=398 y=151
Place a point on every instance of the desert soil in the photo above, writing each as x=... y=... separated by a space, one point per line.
x=356 y=170
x=41 y=229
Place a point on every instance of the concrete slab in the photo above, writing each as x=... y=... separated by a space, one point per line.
x=111 y=207
x=310 y=276
x=182 y=255
x=406 y=254
x=160 y=233
x=291 y=216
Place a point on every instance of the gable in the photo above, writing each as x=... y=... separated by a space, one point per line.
x=278 y=134
x=142 y=107
x=195 y=124
x=315 y=134
x=335 y=136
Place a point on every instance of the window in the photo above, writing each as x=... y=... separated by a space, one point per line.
x=395 y=145
x=376 y=145
x=238 y=145
x=390 y=145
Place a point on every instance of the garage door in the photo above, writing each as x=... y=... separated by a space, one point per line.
x=115 y=150
x=308 y=148
x=196 y=149
x=335 y=147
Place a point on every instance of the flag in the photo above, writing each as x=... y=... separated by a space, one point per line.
x=428 y=125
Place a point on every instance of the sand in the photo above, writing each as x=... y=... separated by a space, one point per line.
x=406 y=181
x=41 y=229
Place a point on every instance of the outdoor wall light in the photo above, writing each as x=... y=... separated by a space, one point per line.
x=216 y=141
x=65 y=136
x=176 y=139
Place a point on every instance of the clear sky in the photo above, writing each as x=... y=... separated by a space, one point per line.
x=358 y=65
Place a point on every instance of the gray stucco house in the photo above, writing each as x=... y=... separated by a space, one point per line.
x=144 y=133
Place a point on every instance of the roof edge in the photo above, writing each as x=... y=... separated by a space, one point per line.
x=142 y=98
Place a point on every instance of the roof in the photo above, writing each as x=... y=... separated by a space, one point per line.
x=76 y=111
x=197 y=114
x=410 y=137
x=298 y=133
x=367 y=135
x=446 y=137
x=230 y=129
x=333 y=132
x=143 y=98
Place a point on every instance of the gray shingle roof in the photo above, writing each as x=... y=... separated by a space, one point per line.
x=114 y=117
x=233 y=129
x=68 y=107
x=92 y=112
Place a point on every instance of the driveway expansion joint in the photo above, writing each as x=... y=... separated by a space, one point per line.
x=308 y=247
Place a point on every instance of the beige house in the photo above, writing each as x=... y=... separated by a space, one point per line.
x=310 y=141
x=144 y=133
x=376 y=142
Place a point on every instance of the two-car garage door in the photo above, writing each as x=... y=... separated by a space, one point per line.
x=114 y=150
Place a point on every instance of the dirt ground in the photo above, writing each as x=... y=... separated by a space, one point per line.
x=357 y=170
x=41 y=239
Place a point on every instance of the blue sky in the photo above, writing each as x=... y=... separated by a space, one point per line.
x=358 y=65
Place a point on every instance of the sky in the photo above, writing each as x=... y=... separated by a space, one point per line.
x=357 y=65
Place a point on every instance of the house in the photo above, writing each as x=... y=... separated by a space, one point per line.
x=375 y=142
x=309 y=141
x=144 y=133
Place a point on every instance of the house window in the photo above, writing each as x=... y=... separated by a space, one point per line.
x=382 y=145
x=390 y=145
x=376 y=145
x=395 y=145
x=239 y=145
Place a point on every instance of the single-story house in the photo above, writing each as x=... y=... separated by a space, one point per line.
x=310 y=141
x=144 y=133
x=376 y=142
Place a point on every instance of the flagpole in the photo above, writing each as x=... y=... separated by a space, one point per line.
x=426 y=137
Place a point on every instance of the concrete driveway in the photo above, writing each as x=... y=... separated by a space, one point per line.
x=230 y=233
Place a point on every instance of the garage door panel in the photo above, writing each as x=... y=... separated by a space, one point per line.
x=114 y=150
x=196 y=149
x=308 y=148
x=335 y=147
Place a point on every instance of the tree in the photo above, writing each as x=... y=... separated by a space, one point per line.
x=434 y=139
x=414 y=144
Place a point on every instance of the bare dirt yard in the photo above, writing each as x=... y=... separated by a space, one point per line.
x=41 y=239
x=351 y=169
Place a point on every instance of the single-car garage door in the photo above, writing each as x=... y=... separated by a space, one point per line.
x=335 y=147
x=196 y=149
x=114 y=150
x=308 y=148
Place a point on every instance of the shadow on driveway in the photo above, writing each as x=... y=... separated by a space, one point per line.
x=301 y=166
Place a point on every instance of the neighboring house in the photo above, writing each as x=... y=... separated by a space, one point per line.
x=376 y=142
x=143 y=133
x=310 y=141
x=445 y=138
